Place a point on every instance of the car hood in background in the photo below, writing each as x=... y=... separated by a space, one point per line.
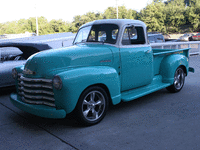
x=27 y=48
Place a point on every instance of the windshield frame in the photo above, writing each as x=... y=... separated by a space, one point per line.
x=114 y=36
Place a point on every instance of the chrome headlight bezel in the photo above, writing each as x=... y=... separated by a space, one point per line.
x=14 y=73
x=57 y=82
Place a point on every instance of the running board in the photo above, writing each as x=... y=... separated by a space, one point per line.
x=156 y=85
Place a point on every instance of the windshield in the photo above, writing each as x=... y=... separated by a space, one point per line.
x=104 y=33
x=82 y=35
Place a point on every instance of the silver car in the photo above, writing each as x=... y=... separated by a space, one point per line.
x=186 y=37
x=15 y=54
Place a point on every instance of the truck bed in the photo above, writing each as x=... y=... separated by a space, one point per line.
x=160 y=54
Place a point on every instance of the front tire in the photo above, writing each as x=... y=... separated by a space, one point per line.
x=179 y=80
x=92 y=106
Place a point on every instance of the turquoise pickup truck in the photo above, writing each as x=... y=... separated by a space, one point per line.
x=110 y=61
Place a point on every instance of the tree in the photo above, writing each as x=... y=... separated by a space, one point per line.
x=80 y=20
x=153 y=15
x=123 y=12
x=110 y=13
x=32 y=24
x=175 y=15
x=2 y=28
x=160 y=15
x=99 y=16
x=23 y=26
x=193 y=14
x=10 y=27
x=58 y=26
x=131 y=14
x=44 y=27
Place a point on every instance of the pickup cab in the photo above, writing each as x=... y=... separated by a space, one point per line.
x=111 y=61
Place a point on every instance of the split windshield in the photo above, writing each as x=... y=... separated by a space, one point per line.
x=103 y=33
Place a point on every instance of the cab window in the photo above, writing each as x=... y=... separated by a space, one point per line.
x=133 y=35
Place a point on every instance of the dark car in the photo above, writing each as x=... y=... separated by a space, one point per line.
x=156 y=38
x=196 y=37
x=15 y=54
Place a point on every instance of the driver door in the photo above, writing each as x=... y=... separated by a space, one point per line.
x=136 y=59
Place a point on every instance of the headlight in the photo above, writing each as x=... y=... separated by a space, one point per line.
x=14 y=73
x=57 y=82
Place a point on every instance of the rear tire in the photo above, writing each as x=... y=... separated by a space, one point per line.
x=179 y=80
x=92 y=106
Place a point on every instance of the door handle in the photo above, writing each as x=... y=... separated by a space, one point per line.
x=148 y=51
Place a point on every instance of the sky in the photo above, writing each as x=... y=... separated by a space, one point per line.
x=12 y=10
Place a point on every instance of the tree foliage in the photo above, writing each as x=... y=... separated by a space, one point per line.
x=153 y=15
x=162 y=16
x=175 y=15
x=193 y=14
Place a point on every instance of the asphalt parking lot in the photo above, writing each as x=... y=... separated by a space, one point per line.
x=160 y=121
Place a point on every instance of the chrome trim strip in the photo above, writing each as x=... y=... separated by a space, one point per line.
x=38 y=102
x=35 y=85
x=35 y=80
x=20 y=74
x=36 y=91
x=37 y=97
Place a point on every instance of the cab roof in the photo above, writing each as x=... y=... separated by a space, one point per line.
x=119 y=22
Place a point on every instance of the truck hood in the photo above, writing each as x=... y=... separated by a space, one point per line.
x=51 y=62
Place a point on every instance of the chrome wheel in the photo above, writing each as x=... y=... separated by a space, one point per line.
x=92 y=105
x=179 y=78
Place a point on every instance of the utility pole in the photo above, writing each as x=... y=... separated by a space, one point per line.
x=117 y=8
x=37 y=26
x=37 y=33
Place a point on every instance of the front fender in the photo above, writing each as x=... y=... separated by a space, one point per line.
x=75 y=81
x=169 y=64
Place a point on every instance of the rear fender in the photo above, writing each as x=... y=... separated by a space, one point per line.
x=169 y=64
x=75 y=81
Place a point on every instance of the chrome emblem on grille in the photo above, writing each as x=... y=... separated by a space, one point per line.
x=27 y=71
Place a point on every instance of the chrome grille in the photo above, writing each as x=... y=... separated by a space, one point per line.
x=36 y=91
